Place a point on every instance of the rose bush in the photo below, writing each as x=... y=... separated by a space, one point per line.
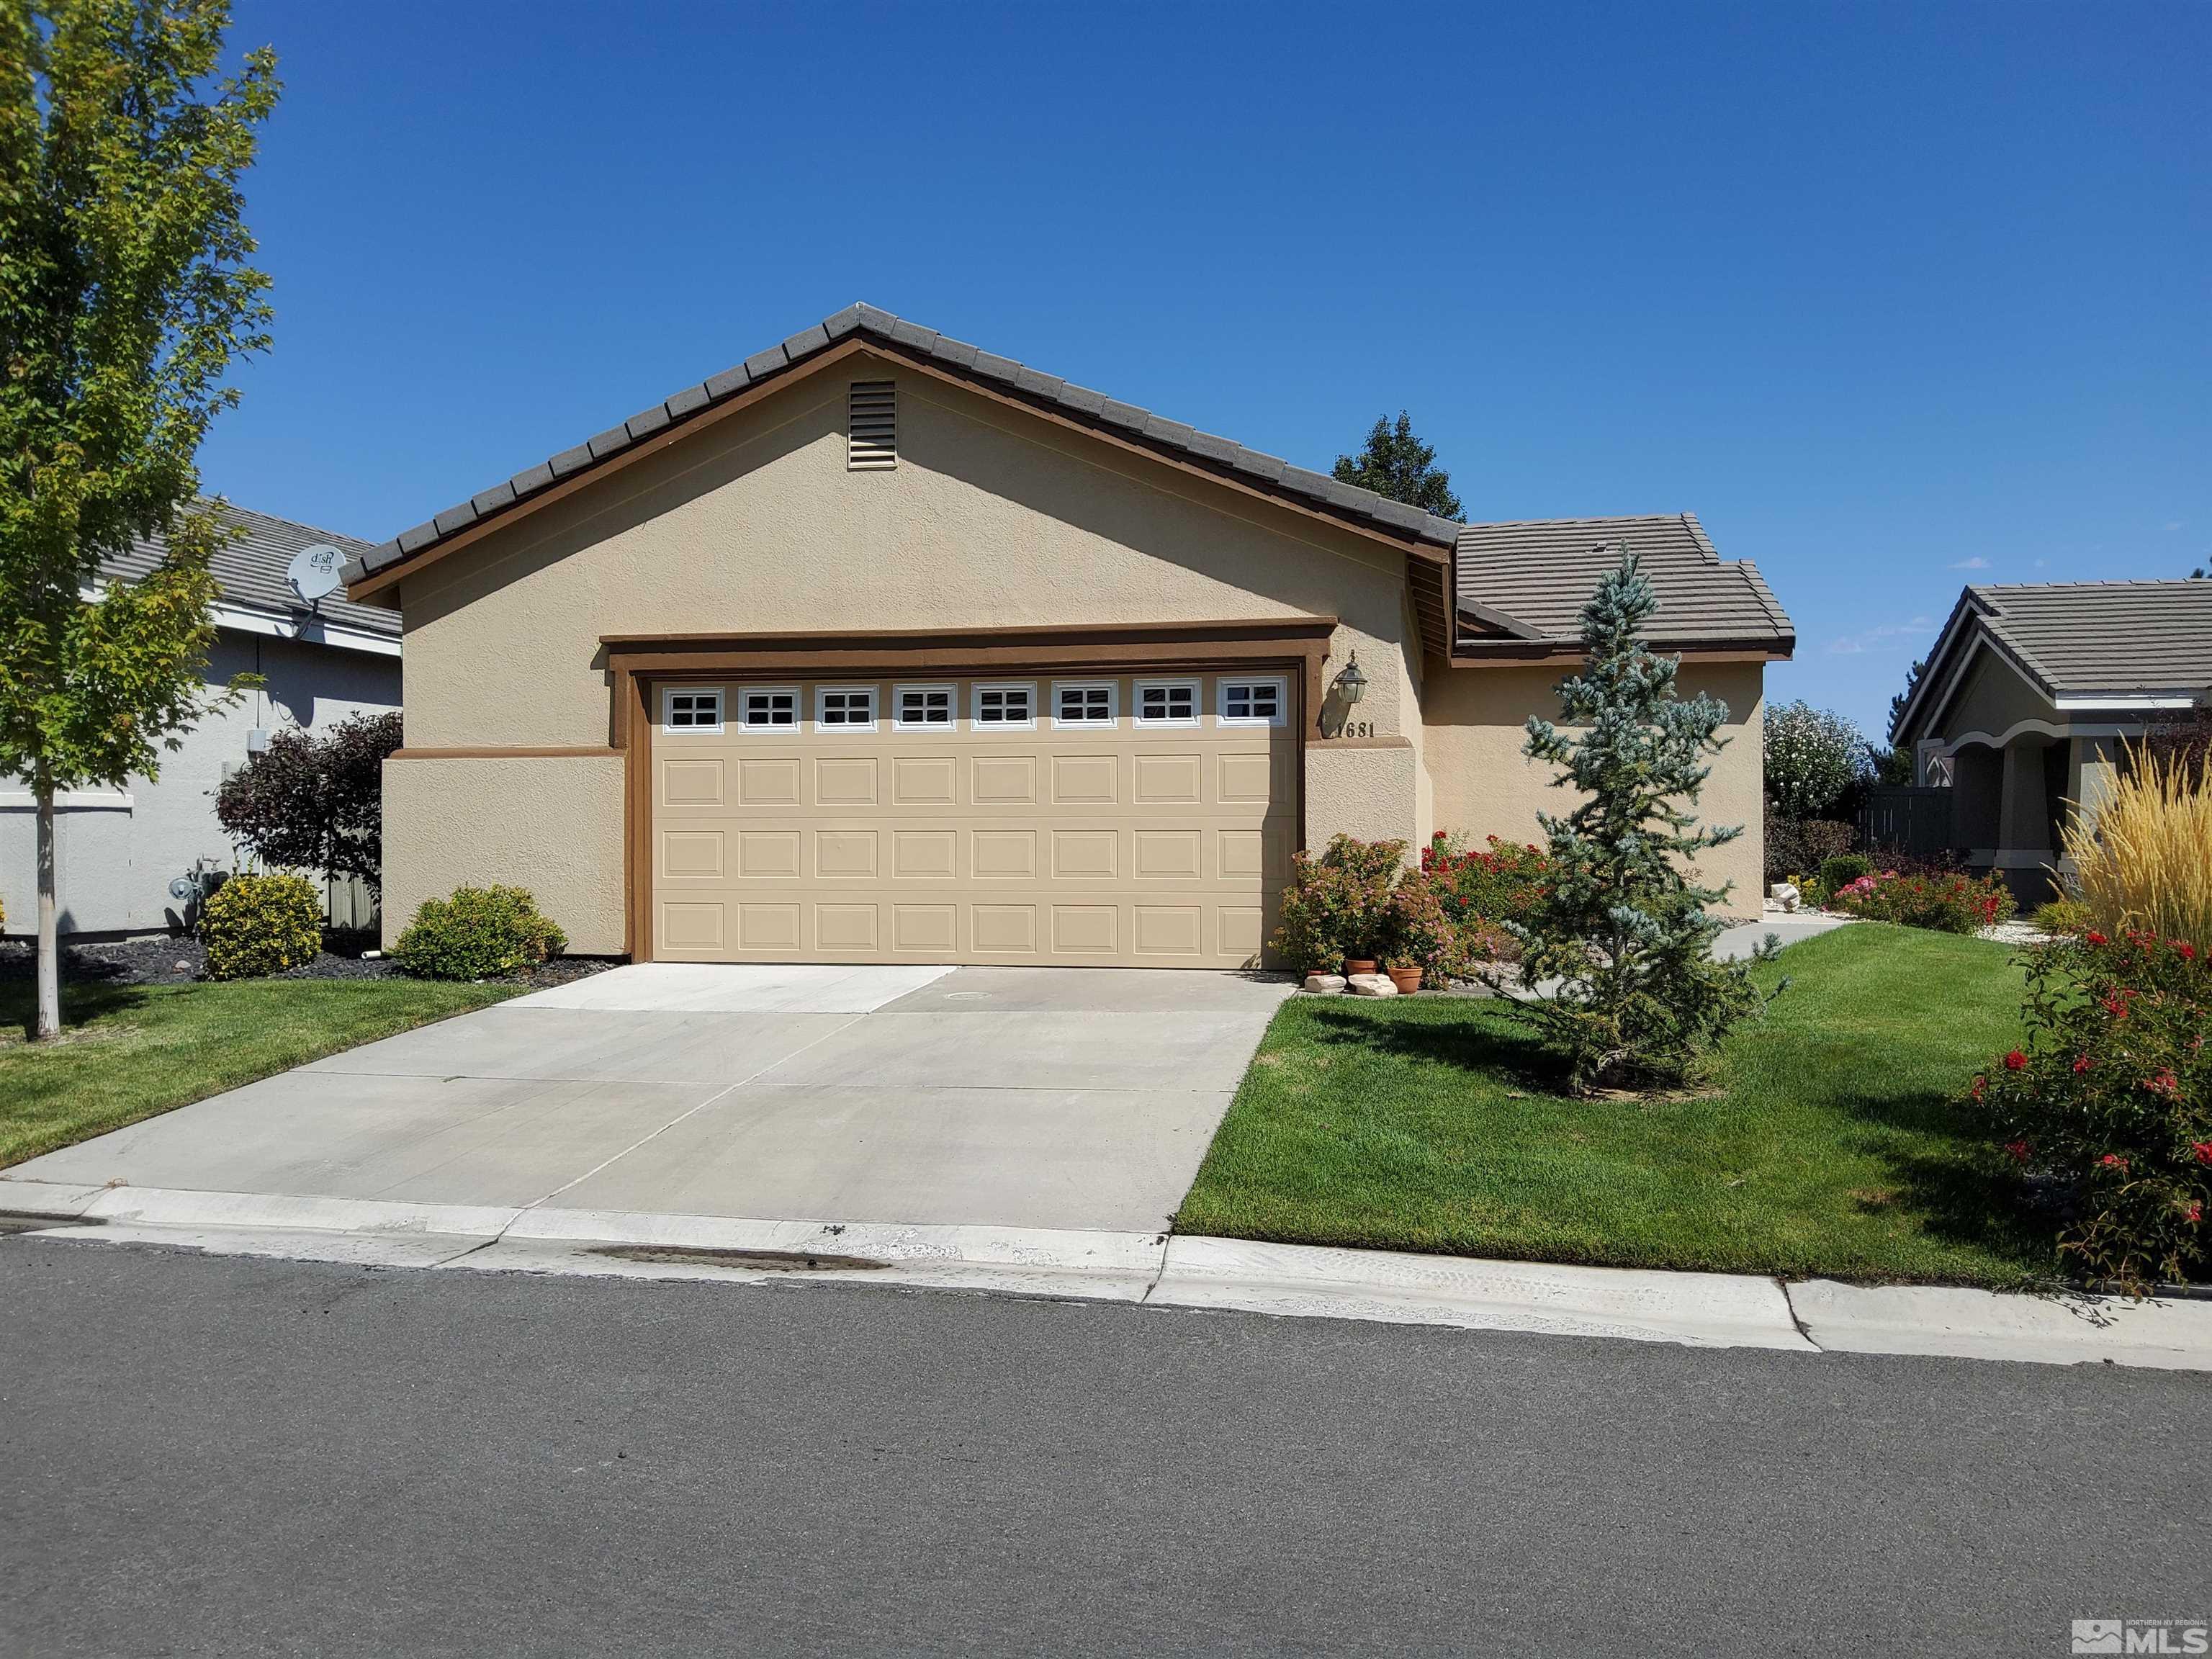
x=1482 y=888
x=2111 y=1098
x=1951 y=903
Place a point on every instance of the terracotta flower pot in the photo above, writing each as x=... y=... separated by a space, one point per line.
x=1357 y=965
x=1407 y=979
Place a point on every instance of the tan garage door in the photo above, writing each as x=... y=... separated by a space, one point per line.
x=1130 y=820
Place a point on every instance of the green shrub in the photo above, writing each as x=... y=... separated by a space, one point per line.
x=2062 y=915
x=1335 y=906
x=1952 y=902
x=261 y=924
x=2111 y=1098
x=480 y=932
x=1841 y=871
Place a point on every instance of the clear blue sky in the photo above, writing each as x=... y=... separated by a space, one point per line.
x=1893 y=297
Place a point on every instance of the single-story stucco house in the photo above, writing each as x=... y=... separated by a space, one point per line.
x=116 y=851
x=879 y=647
x=2027 y=697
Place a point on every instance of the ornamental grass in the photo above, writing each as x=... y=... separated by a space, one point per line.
x=2143 y=859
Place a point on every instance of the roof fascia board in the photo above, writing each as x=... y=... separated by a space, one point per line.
x=1504 y=621
x=1500 y=655
x=1948 y=638
x=308 y=630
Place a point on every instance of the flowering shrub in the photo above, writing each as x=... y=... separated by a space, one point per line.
x=2111 y=1096
x=1336 y=906
x=1482 y=888
x=1950 y=903
x=1418 y=933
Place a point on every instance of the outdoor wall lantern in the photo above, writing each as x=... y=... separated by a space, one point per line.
x=1351 y=684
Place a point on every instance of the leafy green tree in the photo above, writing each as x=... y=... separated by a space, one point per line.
x=1812 y=756
x=1624 y=934
x=1398 y=464
x=126 y=296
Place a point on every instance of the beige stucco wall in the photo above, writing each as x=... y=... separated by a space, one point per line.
x=552 y=823
x=1485 y=786
x=993 y=518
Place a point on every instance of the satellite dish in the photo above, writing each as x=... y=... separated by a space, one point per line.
x=314 y=572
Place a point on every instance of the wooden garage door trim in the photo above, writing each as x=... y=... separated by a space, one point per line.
x=637 y=662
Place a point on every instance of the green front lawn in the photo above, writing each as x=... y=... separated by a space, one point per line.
x=1834 y=1147
x=128 y=1052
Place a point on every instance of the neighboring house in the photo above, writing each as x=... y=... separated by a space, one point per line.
x=2026 y=700
x=118 y=850
x=880 y=647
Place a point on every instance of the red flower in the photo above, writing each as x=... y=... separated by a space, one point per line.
x=2114 y=1161
x=2019 y=1151
x=2164 y=1083
x=2202 y=1149
x=2196 y=1213
x=1982 y=1083
x=2015 y=1060
x=2095 y=938
x=2081 y=1065
x=2186 y=951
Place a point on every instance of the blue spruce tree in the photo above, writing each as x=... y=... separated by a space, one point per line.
x=1625 y=935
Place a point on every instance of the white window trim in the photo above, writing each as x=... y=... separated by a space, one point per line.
x=977 y=723
x=875 y=708
x=798 y=709
x=1221 y=700
x=950 y=723
x=1137 y=689
x=1113 y=689
x=670 y=693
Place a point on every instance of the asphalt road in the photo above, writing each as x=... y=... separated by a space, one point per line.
x=211 y=1455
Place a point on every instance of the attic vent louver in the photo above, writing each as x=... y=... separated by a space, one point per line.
x=872 y=426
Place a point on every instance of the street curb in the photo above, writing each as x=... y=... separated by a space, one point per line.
x=1185 y=1274
x=1698 y=1310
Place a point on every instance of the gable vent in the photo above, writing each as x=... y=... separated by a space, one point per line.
x=872 y=426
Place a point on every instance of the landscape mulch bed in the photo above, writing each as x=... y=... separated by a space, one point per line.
x=166 y=960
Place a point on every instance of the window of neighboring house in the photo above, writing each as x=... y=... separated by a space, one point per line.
x=691 y=710
x=768 y=708
x=922 y=708
x=1167 y=702
x=1084 y=703
x=1252 y=702
x=845 y=707
x=1005 y=706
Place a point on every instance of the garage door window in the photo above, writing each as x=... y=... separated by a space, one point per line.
x=768 y=708
x=845 y=707
x=1251 y=702
x=1008 y=707
x=922 y=708
x=1167 y=702
x=692 y=711
x=1083 y=703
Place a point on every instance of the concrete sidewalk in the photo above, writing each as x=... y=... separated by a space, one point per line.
x=1727 y=1310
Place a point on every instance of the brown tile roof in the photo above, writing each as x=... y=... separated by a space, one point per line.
x=1529 y=582
x=2080 y=639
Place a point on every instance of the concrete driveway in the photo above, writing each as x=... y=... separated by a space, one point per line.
x=1010 y=1096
